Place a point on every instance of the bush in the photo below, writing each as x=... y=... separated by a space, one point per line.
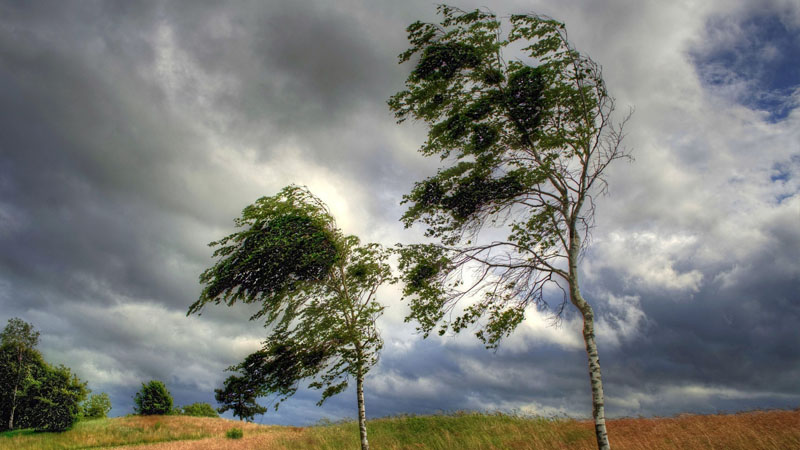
x=198 y=410
x=234 y=433
x=153 y=399
x=97 y=407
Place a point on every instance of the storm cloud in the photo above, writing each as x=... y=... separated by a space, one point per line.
x=133 y=133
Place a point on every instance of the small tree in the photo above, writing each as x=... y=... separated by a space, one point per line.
x=317 y=288
x=153 y=399
x=21 y=338
x=198 y=410
x=526 y=144
x=240 y=394
x=97 y=406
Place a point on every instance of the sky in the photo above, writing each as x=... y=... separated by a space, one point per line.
x=133 y=133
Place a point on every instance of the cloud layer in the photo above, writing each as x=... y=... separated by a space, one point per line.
x=133 y=134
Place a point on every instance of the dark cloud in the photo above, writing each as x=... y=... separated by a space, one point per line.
x=133 y=133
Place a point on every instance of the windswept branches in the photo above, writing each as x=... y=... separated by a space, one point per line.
x=436 y=278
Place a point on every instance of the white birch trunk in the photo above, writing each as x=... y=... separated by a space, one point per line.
x=598 y=401
x=362 y=415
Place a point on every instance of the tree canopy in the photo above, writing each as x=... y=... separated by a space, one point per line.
x=525 y=136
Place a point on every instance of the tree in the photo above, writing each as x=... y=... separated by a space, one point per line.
x=97 y=406
x=240 y=394
x=198 y=410
x=153 y=399
x=34 y=394
x=526 y=143
x=54 y=398
x=21 y=338
x=317 y=288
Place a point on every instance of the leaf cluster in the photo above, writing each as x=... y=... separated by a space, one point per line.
x=285 y=248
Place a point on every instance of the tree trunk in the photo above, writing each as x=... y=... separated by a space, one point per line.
x=13 y=408
x=598 y=406
x=16 y=387
x=362 y=415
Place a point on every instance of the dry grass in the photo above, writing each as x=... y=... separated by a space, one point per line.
x=752 y=430
x=766 y=430
x=133 y=430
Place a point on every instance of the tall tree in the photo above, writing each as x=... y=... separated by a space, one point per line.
x=317 y=288
x=21 y=338
x=526 y=142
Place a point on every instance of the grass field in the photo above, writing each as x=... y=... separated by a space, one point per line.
x=769 y=430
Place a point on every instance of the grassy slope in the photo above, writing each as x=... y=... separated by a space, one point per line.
x=107 y=433
x=757 y=430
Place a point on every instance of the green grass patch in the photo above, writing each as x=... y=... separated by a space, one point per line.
x=234 y=433
x=447 y=431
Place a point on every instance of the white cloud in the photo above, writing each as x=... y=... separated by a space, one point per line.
x=646 y=260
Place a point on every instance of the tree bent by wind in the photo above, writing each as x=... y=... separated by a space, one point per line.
x=317 y=288
x=524 y=145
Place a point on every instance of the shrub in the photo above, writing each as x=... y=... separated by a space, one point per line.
x=198 y=410
x=234 y=433
x=97 y=407
x=153 y=399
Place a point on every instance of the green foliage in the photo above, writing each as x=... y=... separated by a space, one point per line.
x=53 y=401
x=320 y=304
x=97 y=406
x=239 y=393
x=39 y=396
x=234 y=433
x=524 y=143
x=198 y=410
x=285 y=248
x=153 y=399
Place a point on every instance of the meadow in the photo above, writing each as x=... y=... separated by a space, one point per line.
x=768 y=430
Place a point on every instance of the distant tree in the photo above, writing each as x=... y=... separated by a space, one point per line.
x=153 y=399
x=21 y=340
x=317 y=288
x=198 y=410
x=240 y=395
x=97 y=406
x=526 y=142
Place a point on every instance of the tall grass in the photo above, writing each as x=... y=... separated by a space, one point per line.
x=769 y=430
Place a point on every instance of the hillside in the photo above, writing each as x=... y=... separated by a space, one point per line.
x=766 y=430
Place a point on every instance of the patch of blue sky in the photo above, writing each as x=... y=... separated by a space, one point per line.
x=754 y=59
